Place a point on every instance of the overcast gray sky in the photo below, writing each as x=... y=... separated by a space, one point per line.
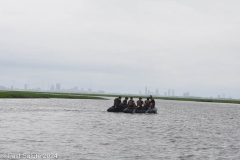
x=122 y=45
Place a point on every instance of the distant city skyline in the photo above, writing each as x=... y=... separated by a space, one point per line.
x=57 y=88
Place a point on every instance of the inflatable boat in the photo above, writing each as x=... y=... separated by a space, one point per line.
x=151 y=110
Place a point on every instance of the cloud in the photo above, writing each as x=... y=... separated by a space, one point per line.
x=187 y=45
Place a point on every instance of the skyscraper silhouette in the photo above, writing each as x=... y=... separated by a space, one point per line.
x=58 y=87
x=169 y=92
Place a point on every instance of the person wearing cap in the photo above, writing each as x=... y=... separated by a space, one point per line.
x=146 y=103
x=152 y=102
x=117 y=102
x=131 y=103
x=139 y=103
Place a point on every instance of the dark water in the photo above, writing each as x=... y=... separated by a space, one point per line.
x=82 y=129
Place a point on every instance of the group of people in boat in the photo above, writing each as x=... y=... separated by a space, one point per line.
x=130 y=104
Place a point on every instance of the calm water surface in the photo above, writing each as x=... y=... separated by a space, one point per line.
x=82 y=129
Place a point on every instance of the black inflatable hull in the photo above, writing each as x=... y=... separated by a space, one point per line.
x=113 y=109
x=154 y=110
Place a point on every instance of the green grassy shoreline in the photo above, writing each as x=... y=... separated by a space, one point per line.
x=177 y=98
x=24 y=94
x=28 y=94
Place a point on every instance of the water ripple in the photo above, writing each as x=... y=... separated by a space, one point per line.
x=82 y=129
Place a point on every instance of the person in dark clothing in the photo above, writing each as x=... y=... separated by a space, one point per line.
x=124 y=103
x=139 y=103
x=131 y=103
x=117 y=102
x=152 y=102
x=146 y=103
